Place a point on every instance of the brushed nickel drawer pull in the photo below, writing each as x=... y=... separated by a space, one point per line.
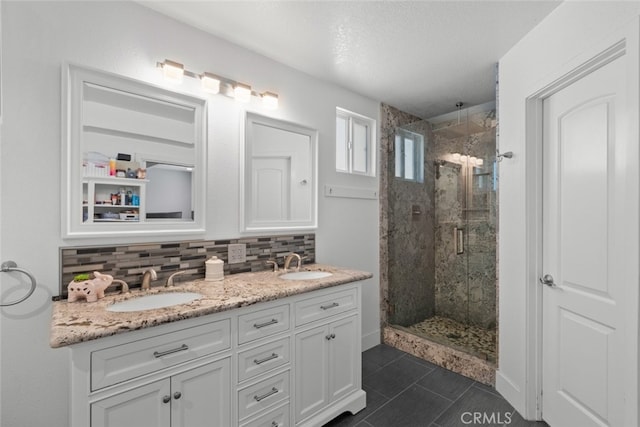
x=262 y=325
x=266 y=359
x=183 y=347
x=327 y=307
x=267 y=394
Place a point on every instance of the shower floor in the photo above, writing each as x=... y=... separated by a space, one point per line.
x=471 y=339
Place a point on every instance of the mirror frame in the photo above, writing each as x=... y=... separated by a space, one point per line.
x=73 y=79
x=246 y=190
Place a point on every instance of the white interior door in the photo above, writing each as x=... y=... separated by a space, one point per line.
x=584 y=222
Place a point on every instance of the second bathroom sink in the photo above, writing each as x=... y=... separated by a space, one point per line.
x=151 y=302
x=305 y=275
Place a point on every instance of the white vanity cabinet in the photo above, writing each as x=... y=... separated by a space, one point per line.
x=196 y=397
x=294 y=361
x=177 y=374
x=328 y=357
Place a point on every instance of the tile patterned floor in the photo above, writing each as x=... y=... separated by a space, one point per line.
x=404 y=391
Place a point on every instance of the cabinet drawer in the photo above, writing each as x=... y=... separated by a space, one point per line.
x=120 y=363
x=321 y=307
x=262 y=359
x=262 y=323
x=263 y=395
x=278 y=417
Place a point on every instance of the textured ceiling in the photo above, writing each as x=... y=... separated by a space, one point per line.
x=419 y=56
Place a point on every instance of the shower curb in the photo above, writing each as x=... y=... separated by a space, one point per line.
x=441 y=355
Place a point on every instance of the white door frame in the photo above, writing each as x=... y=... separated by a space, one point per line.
x=624 y=43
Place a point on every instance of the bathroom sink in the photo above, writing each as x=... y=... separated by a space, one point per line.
x=151 y=302
x=305 y=275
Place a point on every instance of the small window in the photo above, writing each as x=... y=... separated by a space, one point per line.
x=355 y=143
x=409 y=156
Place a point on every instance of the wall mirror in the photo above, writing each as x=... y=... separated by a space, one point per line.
x=134 y=157
x=280 y=175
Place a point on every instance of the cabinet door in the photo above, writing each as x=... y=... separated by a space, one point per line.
x=311 y=369
x=344 y=359
x=146 y=406
x=201 y=396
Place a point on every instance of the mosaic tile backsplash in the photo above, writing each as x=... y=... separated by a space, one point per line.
x=129 y=262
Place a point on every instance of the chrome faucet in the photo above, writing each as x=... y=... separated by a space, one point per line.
x=170 y=279
x=147 y=277
x=289 y=258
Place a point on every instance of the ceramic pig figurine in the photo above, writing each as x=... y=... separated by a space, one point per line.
x=91 y=290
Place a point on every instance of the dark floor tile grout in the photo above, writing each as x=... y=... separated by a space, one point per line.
x=400 y=392
x=452 y=402
x=435 y=392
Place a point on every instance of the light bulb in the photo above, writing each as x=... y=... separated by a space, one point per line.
x=473 y=160
x=479 y=162
x=172 y=71
x=456 y=156
x=210 y=83
x=463 y=158
x=270 y=100
x=242 y=92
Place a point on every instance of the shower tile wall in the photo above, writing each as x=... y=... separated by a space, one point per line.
x=407 y=250
x=466 y=283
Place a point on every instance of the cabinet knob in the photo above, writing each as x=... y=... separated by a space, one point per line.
x=177 y=395
x=166 y=399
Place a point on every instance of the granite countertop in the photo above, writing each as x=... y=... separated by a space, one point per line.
x=75 y=322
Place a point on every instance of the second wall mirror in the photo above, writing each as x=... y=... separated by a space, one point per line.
x=280 y=175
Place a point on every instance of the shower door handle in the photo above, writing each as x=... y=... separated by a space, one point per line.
x=458 y=239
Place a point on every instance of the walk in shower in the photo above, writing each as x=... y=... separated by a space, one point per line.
x=438 y=220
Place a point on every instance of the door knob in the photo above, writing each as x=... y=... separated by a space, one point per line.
x=547 y=279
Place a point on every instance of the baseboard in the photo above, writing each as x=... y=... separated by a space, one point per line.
x=370 y=340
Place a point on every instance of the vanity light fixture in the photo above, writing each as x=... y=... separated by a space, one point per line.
x=210 y=83
x=174 y=72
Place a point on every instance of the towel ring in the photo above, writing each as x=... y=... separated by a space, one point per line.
x=12 y=266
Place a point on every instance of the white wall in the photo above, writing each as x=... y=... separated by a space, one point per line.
x=129 y=39
x=571 y=35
